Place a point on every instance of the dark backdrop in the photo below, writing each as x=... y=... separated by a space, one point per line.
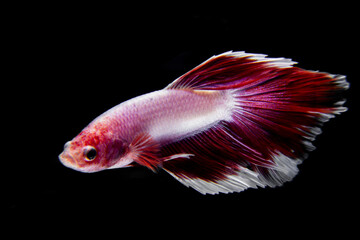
x=68 y=64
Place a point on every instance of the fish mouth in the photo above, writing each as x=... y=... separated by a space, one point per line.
x=67 y=160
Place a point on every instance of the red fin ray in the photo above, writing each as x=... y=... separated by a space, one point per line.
x=278 y=111
x=230 y=70
x=145 y=151
x=223 y=162
x=215 y=155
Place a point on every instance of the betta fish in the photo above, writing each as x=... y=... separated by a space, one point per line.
x=236 y=121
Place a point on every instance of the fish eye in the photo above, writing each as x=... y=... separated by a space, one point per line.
x=90 y=153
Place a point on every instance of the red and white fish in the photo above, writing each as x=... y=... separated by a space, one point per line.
x=236 y=121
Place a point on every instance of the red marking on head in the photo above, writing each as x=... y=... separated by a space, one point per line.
x=96 y=136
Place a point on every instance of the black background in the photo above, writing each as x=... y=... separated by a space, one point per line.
x=68 y=64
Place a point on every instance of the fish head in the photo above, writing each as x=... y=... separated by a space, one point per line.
x=92 y=151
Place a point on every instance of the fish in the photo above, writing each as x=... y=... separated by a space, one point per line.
x=237 y=121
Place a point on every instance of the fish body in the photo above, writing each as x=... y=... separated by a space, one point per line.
x=236 y=121
x=171 y=114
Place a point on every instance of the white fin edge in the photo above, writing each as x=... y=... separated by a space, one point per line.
x=273 y=62
x=284 y=170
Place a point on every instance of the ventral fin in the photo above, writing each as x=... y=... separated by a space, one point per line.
x=145 y=151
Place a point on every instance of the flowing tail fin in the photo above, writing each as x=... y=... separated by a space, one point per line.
x=278 y=111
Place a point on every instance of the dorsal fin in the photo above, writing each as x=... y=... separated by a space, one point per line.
x=225 y=70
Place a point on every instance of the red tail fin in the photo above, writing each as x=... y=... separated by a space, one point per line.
x=278 y=110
